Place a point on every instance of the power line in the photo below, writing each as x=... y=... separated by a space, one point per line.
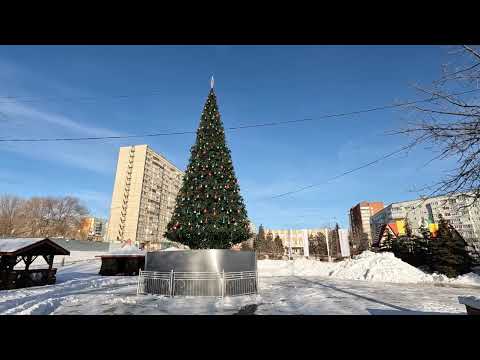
x=98 y=137
x=386 y=107
x=383 y=157
x=11 y=99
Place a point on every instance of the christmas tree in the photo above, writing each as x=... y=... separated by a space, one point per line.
x=210 y=212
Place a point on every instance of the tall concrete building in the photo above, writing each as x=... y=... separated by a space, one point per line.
x=359 y=217
x=144 y=195
x=465 y=219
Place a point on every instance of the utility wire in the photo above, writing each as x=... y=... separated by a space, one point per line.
x=241 y=126
x=11 y=99
x=383 y=157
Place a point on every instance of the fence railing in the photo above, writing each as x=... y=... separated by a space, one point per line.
x=198 y=283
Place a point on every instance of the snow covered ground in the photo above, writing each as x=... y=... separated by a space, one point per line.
x=369 y=284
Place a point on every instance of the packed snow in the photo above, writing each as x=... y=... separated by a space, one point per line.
x=12 y=245
x=127 y=250
x=368 y=284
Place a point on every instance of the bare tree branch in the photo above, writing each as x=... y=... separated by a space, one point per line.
x=451 y=124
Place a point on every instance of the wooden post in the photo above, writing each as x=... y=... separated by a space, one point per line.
x=49 y=261
x=27 y=262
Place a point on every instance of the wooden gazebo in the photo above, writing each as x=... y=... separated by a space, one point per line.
x=26 y=250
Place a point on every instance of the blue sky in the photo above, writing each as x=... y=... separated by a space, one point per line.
x=167 y=87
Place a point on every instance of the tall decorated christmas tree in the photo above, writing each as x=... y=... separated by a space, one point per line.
x=210 y=212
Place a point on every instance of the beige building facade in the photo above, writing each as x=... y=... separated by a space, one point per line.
x=297 y=239
x=144 y=195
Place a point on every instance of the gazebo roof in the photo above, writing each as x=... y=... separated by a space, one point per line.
x=33 y=246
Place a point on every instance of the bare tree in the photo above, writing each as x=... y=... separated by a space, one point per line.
x=10 y=214
x=41 y=217
x=450 y=122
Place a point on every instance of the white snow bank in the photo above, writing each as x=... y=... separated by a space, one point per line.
x=127 y=250
x=470 y=279
x=370 y=266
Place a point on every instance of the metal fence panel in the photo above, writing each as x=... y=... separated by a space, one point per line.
x=150 y=282
x=198 y=283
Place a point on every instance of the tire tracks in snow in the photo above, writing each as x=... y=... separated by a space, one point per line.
x=39 y=301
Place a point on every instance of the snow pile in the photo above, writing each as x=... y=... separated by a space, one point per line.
x=127 y=250
x=470 y=279
x=172 y=249
x=383 y=267
x=370 y=266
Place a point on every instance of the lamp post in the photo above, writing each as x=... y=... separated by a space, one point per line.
x=326 y=238
x=289 y=244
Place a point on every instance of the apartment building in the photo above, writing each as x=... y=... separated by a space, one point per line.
x=466 y=220
x=144 y=195
x=359 y=217
x=94 y=228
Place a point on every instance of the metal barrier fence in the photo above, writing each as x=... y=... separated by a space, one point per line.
x=198 y=283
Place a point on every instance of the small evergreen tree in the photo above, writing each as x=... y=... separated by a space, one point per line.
x=363 y=243
x=278 y=246
x=260 y=243
x=258 y=238
x=422 y=247
x=333 y=241
x=387 y=244
x=449 y=253
x=408 y=228
x=318 y=245
x=270 y=245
